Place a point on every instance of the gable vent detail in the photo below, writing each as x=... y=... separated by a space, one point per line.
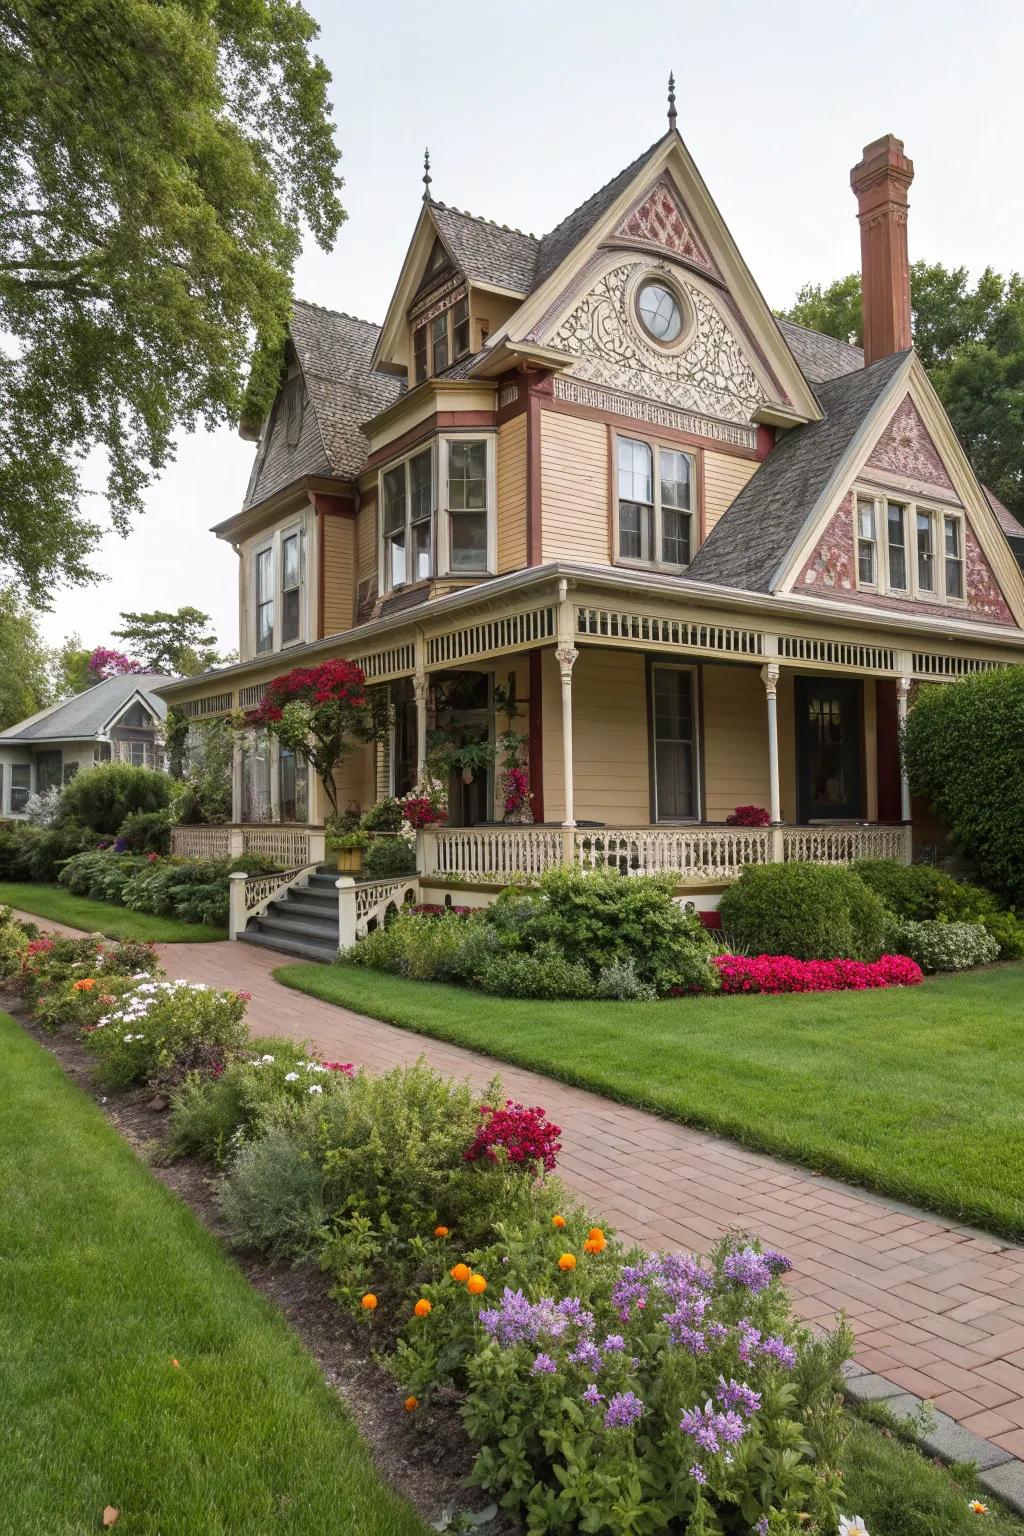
x=395 y=661
x=837 y=653
x=507 y=634
x=680 y=634
x=937 y=664
x=252 y=694
x=212 y=704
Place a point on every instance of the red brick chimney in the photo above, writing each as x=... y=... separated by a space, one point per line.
x=880 y=182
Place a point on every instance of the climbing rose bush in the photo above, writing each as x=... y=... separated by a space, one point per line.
x=783 y=973
x=527 y=1136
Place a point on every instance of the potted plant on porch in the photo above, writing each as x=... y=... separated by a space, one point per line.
x=348 y=847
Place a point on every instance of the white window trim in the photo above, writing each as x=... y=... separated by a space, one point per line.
x=698 y=787
x=858 y=539
x=383 y=563
x=274 y=542
x=913 y=591
x=441 y=502
x=656 y=445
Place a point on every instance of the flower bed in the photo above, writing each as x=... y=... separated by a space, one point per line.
x=782 y=973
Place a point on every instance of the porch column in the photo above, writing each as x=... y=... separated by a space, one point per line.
x=420 y=686
x=236 y=779
x=770 y=678
x=902 y=697
x=567 y=656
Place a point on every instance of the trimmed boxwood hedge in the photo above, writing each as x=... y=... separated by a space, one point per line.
x=810 y=911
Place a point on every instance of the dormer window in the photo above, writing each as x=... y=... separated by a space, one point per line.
x=439 y=342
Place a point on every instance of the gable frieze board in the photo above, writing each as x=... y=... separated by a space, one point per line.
x=889 y=480
x=579 y=392
x=438 y=299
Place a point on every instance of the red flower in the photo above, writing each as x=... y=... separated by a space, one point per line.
x=749 y=816
x=784 y=973
x=527 y=1135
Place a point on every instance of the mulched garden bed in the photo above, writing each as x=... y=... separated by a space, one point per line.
x=427 y=1468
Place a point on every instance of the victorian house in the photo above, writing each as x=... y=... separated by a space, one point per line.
x=708 y=555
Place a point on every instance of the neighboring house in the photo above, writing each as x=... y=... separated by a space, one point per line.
x=1011 y=524
x=114 y=721
x=712 y=552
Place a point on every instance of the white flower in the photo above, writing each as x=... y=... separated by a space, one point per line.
x=267 y=1059
x=256 y=1062
x=314 y=1066
x=291 y=1077
x=852 y=1525
x=315 y=1088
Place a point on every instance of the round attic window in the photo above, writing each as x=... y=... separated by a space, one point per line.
x=659 y=311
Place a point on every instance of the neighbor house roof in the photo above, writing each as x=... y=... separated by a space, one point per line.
x=487 y=252
x=820 y=357
x=1010 y=523
x=748 y=543
x=87 y=714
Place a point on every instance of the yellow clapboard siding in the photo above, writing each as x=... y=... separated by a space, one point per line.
x=574 y=488
x=725 y=475
x=339 y=575
x=610 y=766
x=511 y=478
x=735 y=740
x=366 y=536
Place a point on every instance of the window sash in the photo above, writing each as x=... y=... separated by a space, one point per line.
x=291 y=582
x=655 y=503
x=673 y=723
x=867 y=552
x=896 y=537
x=439 y=339
x=460 y=327
x=926 y=552
x=265 y=600
x=953 y=551
x=21 y=785
x=419 y=354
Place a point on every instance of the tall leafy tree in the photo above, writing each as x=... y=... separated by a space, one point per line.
x=158 y=160
x=971 y=340
x=24 y=676
x=70 y=667
x=179 y=642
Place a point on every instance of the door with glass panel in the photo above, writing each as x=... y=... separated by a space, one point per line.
x=673 y=744
x=828 y=749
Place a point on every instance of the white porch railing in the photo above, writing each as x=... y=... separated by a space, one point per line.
x=288 y=845
x=251 y=895
x=701 y=853
x=364 y=904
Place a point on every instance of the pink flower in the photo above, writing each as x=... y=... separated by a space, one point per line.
x=527 y=1135
x=345 y=1067
x=784 y=973
x=749 y=816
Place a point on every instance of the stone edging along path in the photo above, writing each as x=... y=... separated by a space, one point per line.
x=937 y=1307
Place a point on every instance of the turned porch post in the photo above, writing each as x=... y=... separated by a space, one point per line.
x=567 y=656
x=902 y=698
x=421 y=690
x=770 y=678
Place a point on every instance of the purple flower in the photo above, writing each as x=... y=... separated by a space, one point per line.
x=736 y=1394
x=624 y=1410
x=586 y=1354
x=777 y=1347
x=543 y=1365
x=698 y=1474
x=613 y=1342
x=761 y=1528
x=592 y=1396
x=780 y=1265
x=710 y=1429
x=750 y=1340
x=750 y=1268
x=689 y=1338
x=717 y=1332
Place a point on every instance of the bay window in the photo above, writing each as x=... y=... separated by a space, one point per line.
x=265 y=600
x=466 y=482
x=896 y=524
x=867 y=550
x=278 y=576
x=654 y=504
x=954 y=557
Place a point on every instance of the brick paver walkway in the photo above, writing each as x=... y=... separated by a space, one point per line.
x=938 y=1308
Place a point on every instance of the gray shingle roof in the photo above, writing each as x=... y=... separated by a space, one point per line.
x=487 y=252
x=1010 y=523
x=560 y=241
x=749 y=542
x=87 y=713
x=820 y=357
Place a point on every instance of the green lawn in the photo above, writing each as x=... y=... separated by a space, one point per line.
x=58 y=904
x=915 y=1092
x=106 y=1279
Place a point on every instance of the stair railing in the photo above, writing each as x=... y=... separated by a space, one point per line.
x=364 y=904
x=249 y=896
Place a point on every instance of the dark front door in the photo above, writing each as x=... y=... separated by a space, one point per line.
x=828 y=749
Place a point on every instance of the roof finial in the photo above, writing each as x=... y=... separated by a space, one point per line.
x=426 y=175
x=671 y=100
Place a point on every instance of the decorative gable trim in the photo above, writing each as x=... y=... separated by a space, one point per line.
x=660 y=218
x=906 y=449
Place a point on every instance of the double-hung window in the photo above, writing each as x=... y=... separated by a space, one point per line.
x=466 y=482
x=407 y=510
x=953 y=543
x=926 y=552
x=441 y=341
x=673 y=717
x=867 y=544
x=655 y=499
x=21 y=785
x=265 y=600
x=896 y=548
x=291 y=585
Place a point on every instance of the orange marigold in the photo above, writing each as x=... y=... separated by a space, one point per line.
x=368 y=1302
x=440 y=1231
x=422 y=1307
x=85 y=985
x=476 y=1285
x=567 y=1261
x=558 y=1222
x=460 y=1272
x=595 y=1245
x=595 y=1232
x=411 y=1404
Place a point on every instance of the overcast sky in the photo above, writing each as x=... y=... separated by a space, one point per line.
x=529 y=109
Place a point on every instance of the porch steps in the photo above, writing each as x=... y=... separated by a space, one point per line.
x=303 y=922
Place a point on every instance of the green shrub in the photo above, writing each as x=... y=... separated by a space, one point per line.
x=620 y=983
x=963 y=746
x=937 y=945
x=388 y=856
x=13 y=940
x=385 y=816
x=163 y=1030
x=810 y=911
x=595 y=919
x=146 y=832
x=102 y=876
x=100 y=798
x=920 y=892
x=16 y=844
x=212 y=1114
x=274 y=1198
x=543 y=973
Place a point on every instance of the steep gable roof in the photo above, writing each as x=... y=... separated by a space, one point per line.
x=560 y=241
x=87 y=713
x=486 y=252
x=820 y=357
x=750 y=541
